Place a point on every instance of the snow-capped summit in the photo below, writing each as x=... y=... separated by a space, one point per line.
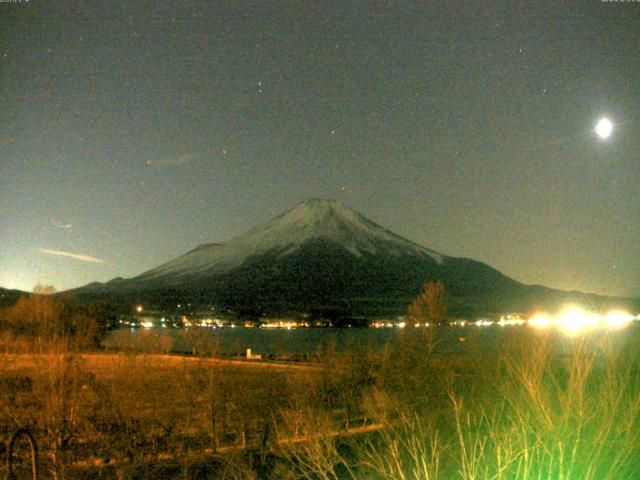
x=315 y=219
x=324 y=259
x=328 y=219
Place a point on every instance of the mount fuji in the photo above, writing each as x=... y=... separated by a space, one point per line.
x=323 y=258
x=314 y=220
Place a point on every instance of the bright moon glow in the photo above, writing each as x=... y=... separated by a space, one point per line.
x=604 y=128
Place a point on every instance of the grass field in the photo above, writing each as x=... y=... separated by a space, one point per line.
x=120 y=409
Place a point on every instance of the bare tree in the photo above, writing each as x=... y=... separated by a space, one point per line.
x=430 y=306
x=427 y=310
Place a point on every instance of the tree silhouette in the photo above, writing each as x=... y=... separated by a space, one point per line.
x=52 y=318
x=430 y=306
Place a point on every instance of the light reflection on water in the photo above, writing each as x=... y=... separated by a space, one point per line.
x=310 y=341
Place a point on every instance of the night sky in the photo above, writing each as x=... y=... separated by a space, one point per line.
x=131 y=132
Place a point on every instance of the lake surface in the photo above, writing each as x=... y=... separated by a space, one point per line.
x=235 y=341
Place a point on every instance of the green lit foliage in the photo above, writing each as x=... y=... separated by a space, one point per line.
x=544 y=413
x=536 y=408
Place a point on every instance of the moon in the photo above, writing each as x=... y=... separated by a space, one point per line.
x=604 y=128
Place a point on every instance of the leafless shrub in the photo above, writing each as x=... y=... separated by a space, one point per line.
x=200 y=341
x=307 y=438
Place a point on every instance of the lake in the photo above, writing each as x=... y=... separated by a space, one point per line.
x=235 y=341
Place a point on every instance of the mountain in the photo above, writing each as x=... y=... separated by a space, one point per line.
x=9 y=297
x=314 y=220
x=323 y=258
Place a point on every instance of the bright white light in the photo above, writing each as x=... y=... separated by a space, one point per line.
x=574 y=320
x=510 y=320
x=147 y=324
x=618 y=318
x=540 y=320
x=604 y=128
x=483 y=322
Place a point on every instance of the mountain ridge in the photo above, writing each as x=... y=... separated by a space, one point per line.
x=316 y=218
x=323 y=257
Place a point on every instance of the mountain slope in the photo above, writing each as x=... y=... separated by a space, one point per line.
x=314 y=219
x=9 y=297
x=322 y=257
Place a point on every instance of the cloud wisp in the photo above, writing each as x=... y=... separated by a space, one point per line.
x=63 y=226
x=176 y=160
x=75 y=256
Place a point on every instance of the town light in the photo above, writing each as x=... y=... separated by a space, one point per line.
x=540 y=321
x=573 y=320
x=618 y=319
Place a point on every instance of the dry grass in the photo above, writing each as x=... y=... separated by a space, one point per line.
x=133 y=408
